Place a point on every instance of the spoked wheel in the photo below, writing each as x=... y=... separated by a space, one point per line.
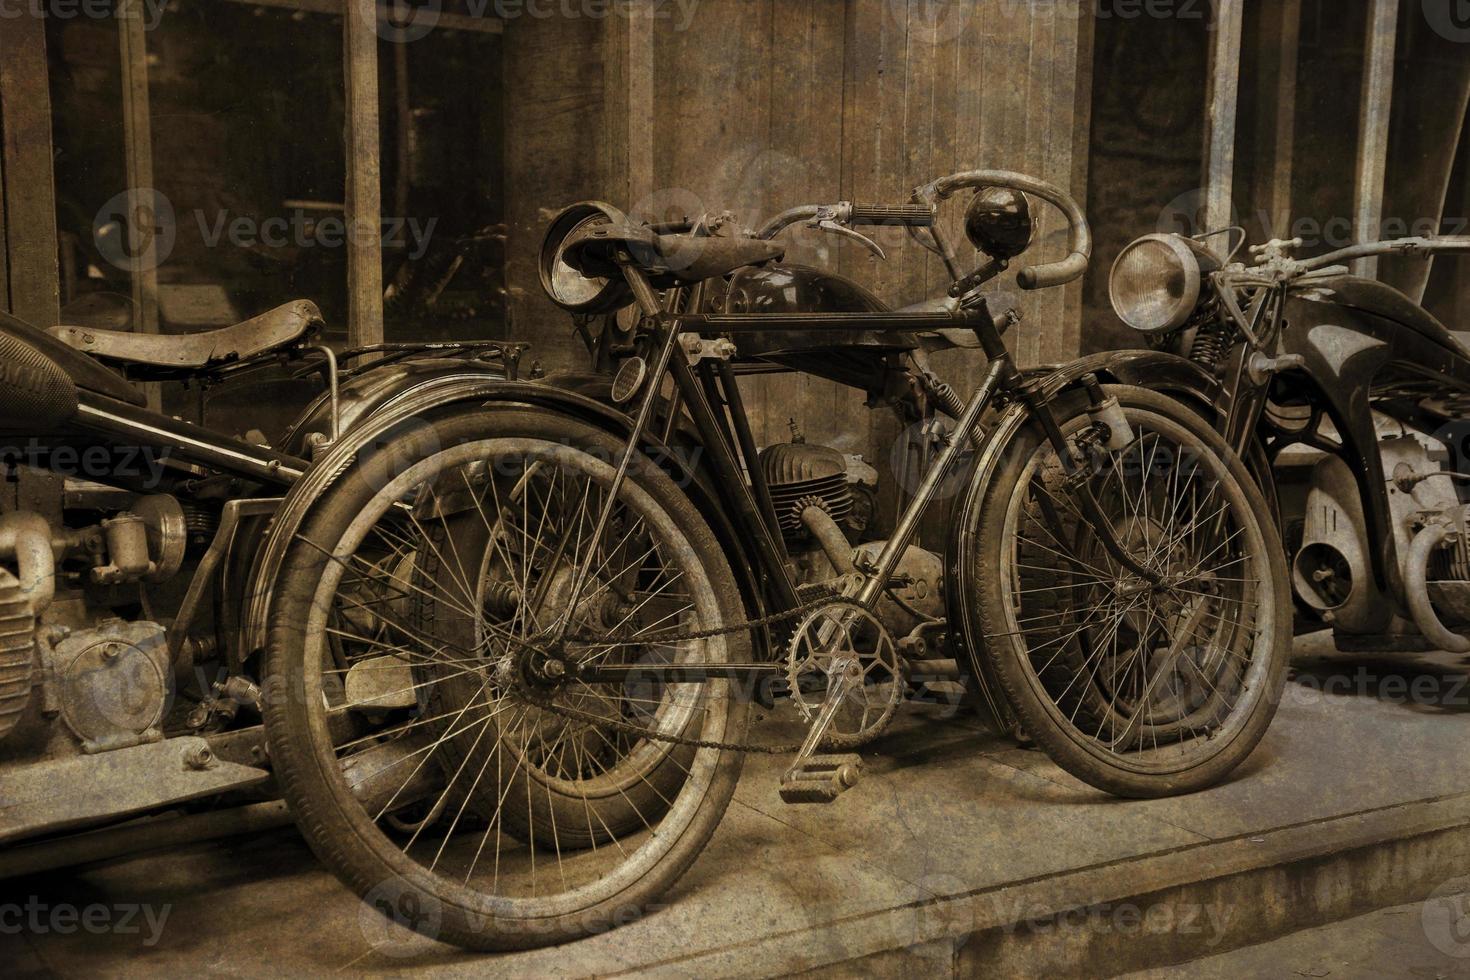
x=1140 y=687
x=433 y=737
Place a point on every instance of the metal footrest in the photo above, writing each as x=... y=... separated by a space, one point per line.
x=820 y=778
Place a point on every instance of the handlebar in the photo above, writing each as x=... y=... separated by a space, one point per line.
x=910 y=215
x=1412 y=247
x=1079 y=232
x=845 y=213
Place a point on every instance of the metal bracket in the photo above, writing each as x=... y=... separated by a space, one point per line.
x=697 y=349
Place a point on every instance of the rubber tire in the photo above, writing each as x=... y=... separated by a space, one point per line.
x=324 y=809
x=1012 y=673
x=618 y=812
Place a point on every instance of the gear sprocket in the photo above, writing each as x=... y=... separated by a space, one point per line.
x=843 y=636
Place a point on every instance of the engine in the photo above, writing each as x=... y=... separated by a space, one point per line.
x=73 y=648
x=825 y=504
x=1332 y=565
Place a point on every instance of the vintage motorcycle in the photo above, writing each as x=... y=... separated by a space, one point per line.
x=511 y=645
x=1349 y=398
x=129 y=546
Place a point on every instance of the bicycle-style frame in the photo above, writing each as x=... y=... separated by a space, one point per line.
x=733 y=453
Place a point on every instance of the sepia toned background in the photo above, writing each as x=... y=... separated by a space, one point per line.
x=180 y=166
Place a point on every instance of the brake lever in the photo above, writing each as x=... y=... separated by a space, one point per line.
x=831 y=218
x=827 y=224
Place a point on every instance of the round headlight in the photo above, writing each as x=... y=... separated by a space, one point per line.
x=565 y=284
x=1155 y=283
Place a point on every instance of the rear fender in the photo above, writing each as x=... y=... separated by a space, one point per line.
x=444 y=394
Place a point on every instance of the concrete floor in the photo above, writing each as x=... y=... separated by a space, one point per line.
x=945 y=809
x=1415 y=940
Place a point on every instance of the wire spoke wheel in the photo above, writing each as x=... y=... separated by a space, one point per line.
x=1141 y=685
x=435 y=614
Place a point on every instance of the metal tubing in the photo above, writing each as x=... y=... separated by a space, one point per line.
x=898 y=542
x=224 y=538
x=649 y=304
x=26 y=537
x=770 y=322
x=188 y=442
x=746 y=442
x=769 y=550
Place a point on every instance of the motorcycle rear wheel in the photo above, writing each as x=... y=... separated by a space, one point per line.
x=535 y=828
x=1139 y=691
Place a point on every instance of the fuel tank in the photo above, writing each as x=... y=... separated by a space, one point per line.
x=849 y=357
x=1383 y=301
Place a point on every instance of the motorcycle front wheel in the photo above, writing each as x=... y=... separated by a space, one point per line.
x=1139 y=687
x=429 y=753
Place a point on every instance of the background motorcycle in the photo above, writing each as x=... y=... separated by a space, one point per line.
x=514 y=650
x=1348 y=399
x=129 y=580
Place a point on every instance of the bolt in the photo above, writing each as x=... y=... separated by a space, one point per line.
x=555 y=669
x=199 y=758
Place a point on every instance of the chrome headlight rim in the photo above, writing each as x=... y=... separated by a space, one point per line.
x=599 y=295
x=1188 y=300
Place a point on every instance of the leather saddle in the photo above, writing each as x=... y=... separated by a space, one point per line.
x=174 y=354
x=591 y=250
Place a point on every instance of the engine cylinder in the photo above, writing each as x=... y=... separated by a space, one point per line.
x=17 y=651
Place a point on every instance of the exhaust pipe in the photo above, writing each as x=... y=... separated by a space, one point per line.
x=26 y=537
x=1416 y=590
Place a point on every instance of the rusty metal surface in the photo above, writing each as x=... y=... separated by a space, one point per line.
x=73 y=792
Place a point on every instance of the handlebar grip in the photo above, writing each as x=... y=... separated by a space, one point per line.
x=1055 y=274
x=912 y=215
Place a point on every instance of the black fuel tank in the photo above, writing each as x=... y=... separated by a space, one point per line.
x=1382 y=300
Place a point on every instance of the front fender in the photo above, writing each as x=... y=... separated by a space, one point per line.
x=1158 y=370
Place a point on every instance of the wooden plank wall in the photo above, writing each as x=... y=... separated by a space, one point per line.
x=762 y=104
x=29 y=209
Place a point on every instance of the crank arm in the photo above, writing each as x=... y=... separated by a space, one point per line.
x=837 y=689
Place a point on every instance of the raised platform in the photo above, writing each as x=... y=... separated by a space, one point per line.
x=956 y=855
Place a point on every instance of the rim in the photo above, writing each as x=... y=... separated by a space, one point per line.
x=1152 y=681
x=456 y=835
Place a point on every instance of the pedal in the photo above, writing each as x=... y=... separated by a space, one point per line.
x=820 y=778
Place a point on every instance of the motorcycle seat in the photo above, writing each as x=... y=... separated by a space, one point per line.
x=281 y=327
x=685 y=257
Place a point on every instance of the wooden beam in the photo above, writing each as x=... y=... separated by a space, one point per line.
x=1375 y=109
x=640 y=101
x=1222 y=101
x=364 y=210
x=142 y=223
x=1277 y=58
x=30 y=191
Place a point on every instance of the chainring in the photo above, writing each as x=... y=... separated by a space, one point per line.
x=840 y=635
